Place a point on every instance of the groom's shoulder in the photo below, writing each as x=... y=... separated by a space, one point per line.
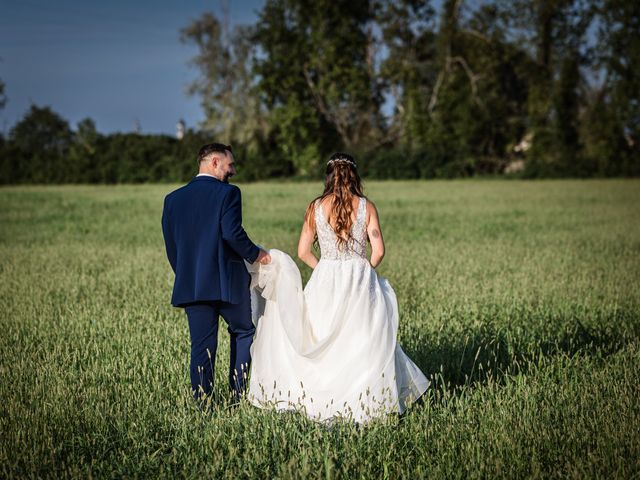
x=229 y=187
x=180 y=194
x=221 y=188
x=196 y=188
x=176 y=193
x=226 y=189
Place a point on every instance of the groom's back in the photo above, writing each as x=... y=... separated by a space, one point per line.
x=196 y=208
x=192 y=229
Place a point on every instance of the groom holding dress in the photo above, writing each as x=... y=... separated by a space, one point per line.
x=206 y=247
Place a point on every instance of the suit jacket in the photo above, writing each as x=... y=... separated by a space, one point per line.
x=205 y=242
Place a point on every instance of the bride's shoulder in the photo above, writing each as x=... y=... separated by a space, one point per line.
x=313 y=209
x=371 y=209
x=369 y=204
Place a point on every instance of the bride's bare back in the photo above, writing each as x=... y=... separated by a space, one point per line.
x=325 y=208
x=327 y=205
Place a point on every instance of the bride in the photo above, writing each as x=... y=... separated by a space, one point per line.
x=330 y=350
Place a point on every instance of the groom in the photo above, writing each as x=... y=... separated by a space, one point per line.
x=206 y=245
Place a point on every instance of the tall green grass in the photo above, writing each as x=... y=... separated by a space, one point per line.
x=519 y=299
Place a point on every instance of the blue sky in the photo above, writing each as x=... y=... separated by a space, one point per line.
x=117 y=62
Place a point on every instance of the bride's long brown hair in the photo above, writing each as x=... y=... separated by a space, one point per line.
x=342 y=182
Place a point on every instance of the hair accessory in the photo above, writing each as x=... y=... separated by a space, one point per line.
x=341 y=160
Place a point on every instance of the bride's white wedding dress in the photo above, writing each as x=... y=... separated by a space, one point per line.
x=329 y=350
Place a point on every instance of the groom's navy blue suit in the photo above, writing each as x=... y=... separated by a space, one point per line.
x=206 y=246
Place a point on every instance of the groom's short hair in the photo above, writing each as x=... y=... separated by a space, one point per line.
x=210 y=148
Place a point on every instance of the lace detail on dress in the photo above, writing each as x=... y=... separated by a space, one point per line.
x=329 y=247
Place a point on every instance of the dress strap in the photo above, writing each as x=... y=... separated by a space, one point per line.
x=317 y=209
x=362 y=208
x=360 y=214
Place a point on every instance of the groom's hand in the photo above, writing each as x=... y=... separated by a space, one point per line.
x=263 y=257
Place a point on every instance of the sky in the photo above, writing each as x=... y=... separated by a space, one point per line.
x=119 y=62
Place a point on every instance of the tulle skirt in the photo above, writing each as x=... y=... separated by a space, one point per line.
x=329 y=350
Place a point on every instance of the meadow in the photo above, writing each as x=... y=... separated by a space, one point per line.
x=519 y=300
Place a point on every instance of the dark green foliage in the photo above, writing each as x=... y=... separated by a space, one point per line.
x=42 y=148
x=38 y=147
x=415 y=88
x=3 y=97
x=614 y=126
x=314 y=78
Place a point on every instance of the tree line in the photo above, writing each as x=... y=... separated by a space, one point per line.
x=413 y=88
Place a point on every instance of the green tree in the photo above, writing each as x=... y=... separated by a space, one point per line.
x=462 y=85
x=83 y=153
x=316 y=77
x=409 y=69
x=3 y=96
x=566 y=103
x=41 y=141
x=553 y=32
x=225 y=85
x=614 y=133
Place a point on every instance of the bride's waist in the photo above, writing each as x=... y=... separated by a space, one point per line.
x=345 y=258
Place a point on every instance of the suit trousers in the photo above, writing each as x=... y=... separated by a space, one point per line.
x=203 y=330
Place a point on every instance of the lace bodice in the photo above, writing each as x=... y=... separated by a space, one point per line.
x=357 y=245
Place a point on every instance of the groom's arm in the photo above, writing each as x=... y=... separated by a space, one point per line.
x=169 y=242
x=232 y=231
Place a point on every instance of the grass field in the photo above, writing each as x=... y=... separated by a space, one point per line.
x=519 y=299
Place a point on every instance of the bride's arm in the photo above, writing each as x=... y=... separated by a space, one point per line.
x=375 y=235
x=306 y=242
